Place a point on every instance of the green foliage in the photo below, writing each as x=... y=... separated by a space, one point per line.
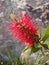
x=46 y=46
x=41 y=60
x=16 y=60
x=37 y=60
x=46 y=35
x=35 y=48
x=25 y=49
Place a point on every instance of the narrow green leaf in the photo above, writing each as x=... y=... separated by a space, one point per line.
x=47 y=62
x=9 y=56
x=33 y=50
x=17 y=59
x=25 y=49
x=46 y=36
x=38 y=59
x=46 y=46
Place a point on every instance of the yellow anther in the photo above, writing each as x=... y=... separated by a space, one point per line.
x=13 y=16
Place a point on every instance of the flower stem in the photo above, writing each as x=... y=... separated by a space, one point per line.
x=43 y=52
x=26 y=60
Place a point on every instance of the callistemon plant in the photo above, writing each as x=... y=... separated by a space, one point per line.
x=27 y=31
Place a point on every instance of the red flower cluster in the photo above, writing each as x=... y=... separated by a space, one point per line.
x=26 y=30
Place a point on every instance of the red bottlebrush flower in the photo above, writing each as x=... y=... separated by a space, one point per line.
x=25 y=30
x=29 y=24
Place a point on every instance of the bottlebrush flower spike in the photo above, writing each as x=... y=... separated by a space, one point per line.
x=26 y=30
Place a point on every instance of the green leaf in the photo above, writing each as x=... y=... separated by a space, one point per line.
x=46 y=46
x=33 y=50
x=47 y=61
x=36 y=48
x=25 y=49
x=46 y=36
x=17 y=59
x=38 y=59
x=9 y=56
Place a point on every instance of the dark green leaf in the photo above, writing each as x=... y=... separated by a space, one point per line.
x=33 y=50
x=46 y=46
x=46 y=36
